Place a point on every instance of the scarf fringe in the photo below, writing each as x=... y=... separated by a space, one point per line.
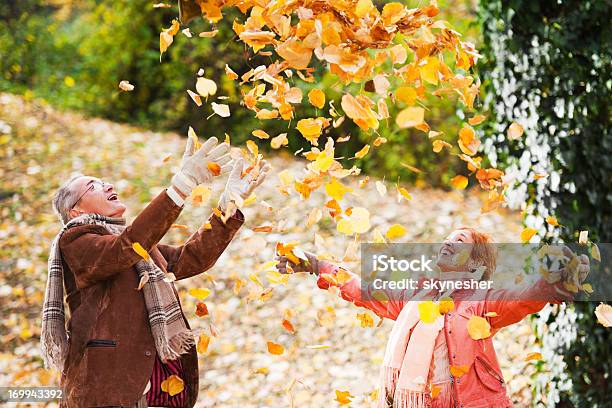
x=173 y=349
x=54 y=350
x=411 y=399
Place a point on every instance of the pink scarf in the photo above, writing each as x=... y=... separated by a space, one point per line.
x=405 y=371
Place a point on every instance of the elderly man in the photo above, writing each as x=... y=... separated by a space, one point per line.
x=127 y=333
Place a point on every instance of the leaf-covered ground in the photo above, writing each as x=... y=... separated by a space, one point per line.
x=41 y=147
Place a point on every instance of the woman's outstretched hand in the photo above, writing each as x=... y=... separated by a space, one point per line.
x=310 y=265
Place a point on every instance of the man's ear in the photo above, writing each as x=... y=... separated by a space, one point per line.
x=74 y=213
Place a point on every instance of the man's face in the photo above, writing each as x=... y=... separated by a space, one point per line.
x=96 y=197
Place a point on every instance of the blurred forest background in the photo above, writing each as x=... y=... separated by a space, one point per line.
x=546 y=65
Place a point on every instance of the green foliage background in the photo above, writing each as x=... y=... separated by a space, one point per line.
x=548 y=67
x=74 y=53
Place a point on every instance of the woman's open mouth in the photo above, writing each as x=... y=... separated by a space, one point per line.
x=112 y=197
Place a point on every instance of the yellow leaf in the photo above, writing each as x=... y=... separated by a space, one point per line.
x=476 y=120
x=595 y=253
x=173 y=385
x=323 y=162
x=220 y=109
x=478 y=328
x=365 y=319
x=277 y=278
x=515 y=131
x=278 y=141
x=206 y=87
x=428 y=311
x=364 y=150
x=316 y=97
x=438 y=145
x=459 y=182
x=396 y=231
x=276 y=349
x=357 y=223
x=459 y=371
x=260 y=134
x=195 y=97
x=446 y=305
x=410 y=117
x=527 y=233
x=552 y=221
x=203 y=342
x=363 y=8
x=429 y=71
x=336 y=190
x=468 y=143
x=311 y=129
x=406 y=94
x=141 y=251
x=252 y=147
x=402 y=192
x=230 y=73
x=604 y=314
x=199 y=293
x=360 y=111
x=533 y=356
x=435 y=391
x=166 y=37
x=343 y=397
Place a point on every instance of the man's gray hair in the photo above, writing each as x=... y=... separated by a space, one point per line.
x=64 y=198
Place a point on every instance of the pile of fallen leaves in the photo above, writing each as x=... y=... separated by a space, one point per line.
x=264 y=339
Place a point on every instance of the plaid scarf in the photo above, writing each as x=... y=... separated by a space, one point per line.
x=171 y=335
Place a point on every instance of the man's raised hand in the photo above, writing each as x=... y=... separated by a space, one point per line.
x=240 y=186
x=199 y=166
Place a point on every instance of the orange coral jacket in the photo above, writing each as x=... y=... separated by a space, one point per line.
x=483 y=386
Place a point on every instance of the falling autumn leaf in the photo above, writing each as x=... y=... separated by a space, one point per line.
x=199 y=293
x=476 y=120
x=173 y=385
x=206 y=87
x=361 y=153
x=396 y=231
x=166 y=37
x=141 y=251
x=365 y=320
x=126 y=86
x=203 y=342
x=410 y=117
x=214 y=168
x=316 y=97
x=478 y=328
x=275 y=348
x=201 y=309
x=343 y=397
x=515 y=131
x=288 y=326
x=220 y=109
x=428 y=311
x=459 y=182
x=458 y=371
x=533 y=356
x=527 y=234
x=604 y=314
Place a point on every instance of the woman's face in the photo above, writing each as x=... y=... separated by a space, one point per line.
x=455 y=251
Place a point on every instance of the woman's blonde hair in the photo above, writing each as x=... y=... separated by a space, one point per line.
x=484 y=251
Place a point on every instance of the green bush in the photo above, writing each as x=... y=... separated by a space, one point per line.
x=74 y=54
x=547 y=68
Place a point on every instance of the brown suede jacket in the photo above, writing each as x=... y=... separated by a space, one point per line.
x=112 y=351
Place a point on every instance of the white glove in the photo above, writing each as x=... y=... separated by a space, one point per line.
x=194 y=166
x=240 y=187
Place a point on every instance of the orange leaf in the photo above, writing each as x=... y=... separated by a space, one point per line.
x=288 y=326
x=214 y=168
x=276 y=349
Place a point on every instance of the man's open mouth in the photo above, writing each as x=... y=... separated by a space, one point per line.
x=112 y=197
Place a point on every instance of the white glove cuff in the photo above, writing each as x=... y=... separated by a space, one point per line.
x=183 y=183
x=178 y=200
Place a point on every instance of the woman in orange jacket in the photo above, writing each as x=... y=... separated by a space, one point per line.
x=439 y=363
